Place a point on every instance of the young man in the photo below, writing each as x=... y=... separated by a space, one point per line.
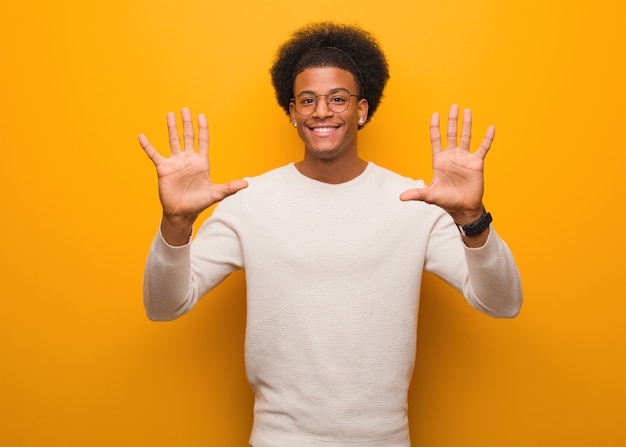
x=333 y=248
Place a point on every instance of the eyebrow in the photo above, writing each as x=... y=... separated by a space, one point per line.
x=334 y=90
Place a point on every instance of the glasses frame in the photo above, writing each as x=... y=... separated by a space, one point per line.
x=313 y=109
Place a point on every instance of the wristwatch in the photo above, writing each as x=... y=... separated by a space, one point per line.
x=477 y=227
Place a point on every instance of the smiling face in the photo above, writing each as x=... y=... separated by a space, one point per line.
x=327 y=134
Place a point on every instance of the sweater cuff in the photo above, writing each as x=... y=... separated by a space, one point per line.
x=167 y=253
x=488 y=253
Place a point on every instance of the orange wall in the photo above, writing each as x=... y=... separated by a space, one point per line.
x=80 y=365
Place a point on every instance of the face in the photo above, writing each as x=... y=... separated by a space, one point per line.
x=325 y=133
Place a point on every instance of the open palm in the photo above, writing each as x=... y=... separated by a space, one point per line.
x=185 y=186
x=458 y=180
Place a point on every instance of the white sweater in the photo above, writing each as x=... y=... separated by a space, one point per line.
x=333 y=275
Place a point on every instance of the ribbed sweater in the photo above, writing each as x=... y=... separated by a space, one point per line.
x=333 y=274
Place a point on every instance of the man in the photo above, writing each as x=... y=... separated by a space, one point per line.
x=333 y=248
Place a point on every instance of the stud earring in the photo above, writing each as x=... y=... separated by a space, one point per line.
x=361 y=121
x=295 y=124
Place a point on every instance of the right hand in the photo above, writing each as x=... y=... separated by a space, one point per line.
x=185 y=187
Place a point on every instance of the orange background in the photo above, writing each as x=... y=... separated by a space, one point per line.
x=80 y=364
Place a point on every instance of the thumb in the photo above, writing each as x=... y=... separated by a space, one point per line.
x=228 y=189
x=414 y=194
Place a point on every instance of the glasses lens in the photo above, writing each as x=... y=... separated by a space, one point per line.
x=337 y=102
x=305 y=104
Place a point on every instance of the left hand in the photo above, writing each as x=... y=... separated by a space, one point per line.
x=458 y=181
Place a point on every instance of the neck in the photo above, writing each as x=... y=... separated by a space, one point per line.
x=332 y=171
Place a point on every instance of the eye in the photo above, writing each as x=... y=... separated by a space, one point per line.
x=307 y=101
x=338 y=99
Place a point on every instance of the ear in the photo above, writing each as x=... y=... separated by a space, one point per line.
x=292 y=113
x=363 y=109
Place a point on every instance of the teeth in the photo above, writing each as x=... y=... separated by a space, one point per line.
x=324 y=129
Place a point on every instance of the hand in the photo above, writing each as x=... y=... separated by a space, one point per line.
x=458 y=182
x=185 y=187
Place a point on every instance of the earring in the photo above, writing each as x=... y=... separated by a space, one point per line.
x=295 y=124
x=361 y=121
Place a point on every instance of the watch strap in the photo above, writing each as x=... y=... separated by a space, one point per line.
x=477 y=227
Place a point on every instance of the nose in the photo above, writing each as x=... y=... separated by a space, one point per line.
x=321 y=108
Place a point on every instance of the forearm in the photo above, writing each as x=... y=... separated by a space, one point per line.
x=168 y=285
x=494 y=285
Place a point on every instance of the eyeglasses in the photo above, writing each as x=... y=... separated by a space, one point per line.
x=337 y=100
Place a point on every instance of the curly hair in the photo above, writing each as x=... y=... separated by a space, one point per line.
x=328 y=44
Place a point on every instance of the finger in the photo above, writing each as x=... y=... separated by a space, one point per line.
x=410 y=194
x=466 y=130
x=487 y=141
x=435 y=133
x=416 y=194
x=149 y=149
x=453 y=119
x=227 y=189
x=172 y=131
x=188 y=134
x=203 y=134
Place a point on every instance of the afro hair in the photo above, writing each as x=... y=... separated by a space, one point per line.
x=328 y=44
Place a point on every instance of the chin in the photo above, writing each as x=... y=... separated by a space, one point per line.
x=324 y=154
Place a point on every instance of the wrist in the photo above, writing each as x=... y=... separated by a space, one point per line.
x=176 y=230
x=477 y=226
x=179 y=220
x=467 y=217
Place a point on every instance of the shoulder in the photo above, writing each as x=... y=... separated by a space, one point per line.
x=261 y=189
x=387 y=185
x=388 y=178
x=271 y=178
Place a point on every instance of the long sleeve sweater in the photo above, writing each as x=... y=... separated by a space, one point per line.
x=333 y=277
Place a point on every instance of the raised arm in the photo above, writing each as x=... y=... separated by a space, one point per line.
x=493 y=285
x=185 y=186
x=185 y=190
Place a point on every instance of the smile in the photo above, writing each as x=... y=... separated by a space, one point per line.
x=323 y=130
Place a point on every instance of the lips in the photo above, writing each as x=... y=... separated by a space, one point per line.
x=324 y=130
